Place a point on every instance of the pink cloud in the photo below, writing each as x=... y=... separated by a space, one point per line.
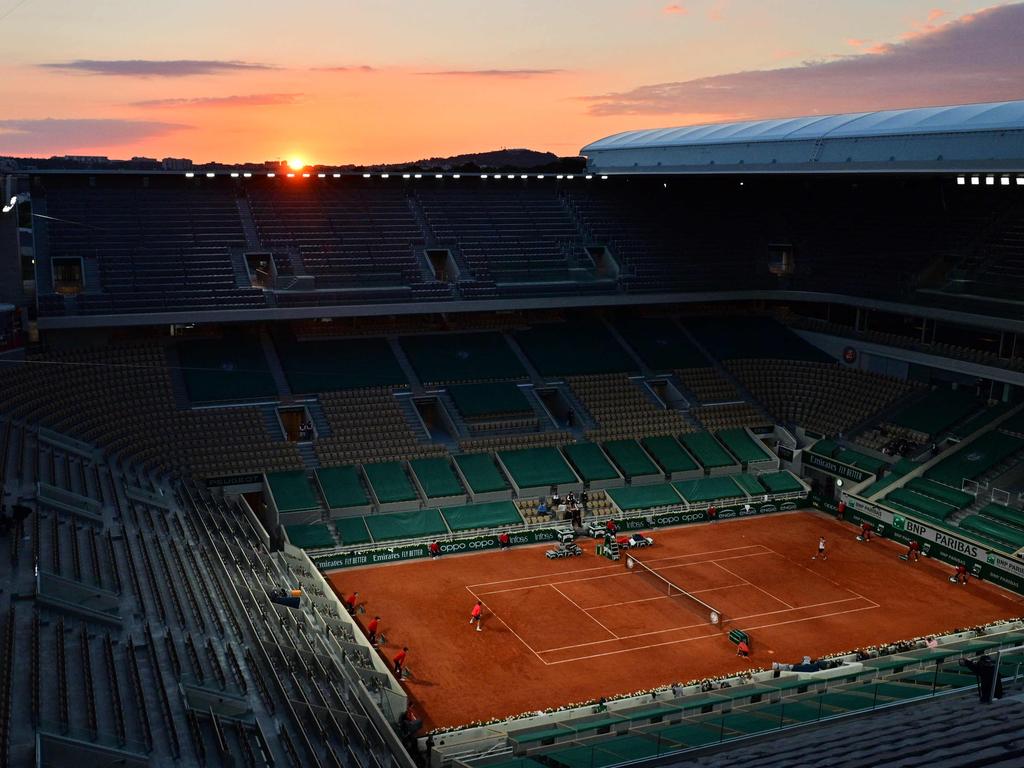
x=675 y=10
x=249 y=100
x=974 y=58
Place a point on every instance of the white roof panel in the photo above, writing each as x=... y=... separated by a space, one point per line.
x=1008 y=115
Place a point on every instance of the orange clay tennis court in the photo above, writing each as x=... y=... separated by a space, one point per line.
x=562 y=631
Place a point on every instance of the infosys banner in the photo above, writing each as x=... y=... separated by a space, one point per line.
x=939 y=544
x=395 y=554
x=837 y=468
x=682 y=517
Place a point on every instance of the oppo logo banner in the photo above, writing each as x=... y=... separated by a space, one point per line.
x=690 y=517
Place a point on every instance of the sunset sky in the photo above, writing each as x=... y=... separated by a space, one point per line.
x=359 y=81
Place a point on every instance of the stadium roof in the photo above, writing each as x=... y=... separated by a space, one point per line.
x=969 y=137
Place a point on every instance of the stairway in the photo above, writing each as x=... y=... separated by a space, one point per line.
x=583 y=421
x=320 y=422
x=309 y=457
x=715 y=363
x=412 y=418
x=518 y=352
x=252 y=235
x=92 y=283
x=545 y=421
x=271 y=422
x=181 y=398
x=453 y=413
x=242 y=277
x=274 y=364
x=641 y=365
x=417 y=212
x=406 y=365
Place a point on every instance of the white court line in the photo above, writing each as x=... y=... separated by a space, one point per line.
x=659 y=597
x=759 y=589
x=618 y=572
x=702 y=624
x=701 y=637
x=616 y=567
x=584 y=612
x=509 y=628
x=697 y=554
x=826 y=578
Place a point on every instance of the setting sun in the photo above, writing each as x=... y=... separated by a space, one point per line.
x=296 y=163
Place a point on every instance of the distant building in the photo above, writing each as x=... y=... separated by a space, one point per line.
x=87 y=159
x=176 y=164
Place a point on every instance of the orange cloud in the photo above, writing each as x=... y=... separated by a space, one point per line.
x=675 y=10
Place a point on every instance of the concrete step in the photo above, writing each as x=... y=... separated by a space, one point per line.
x=316 y=413
x=412 y=417
x=274 y=363
x=406 y=365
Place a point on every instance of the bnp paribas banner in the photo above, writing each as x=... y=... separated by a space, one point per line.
x=940 y=544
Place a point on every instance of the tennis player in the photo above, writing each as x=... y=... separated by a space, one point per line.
x=476 y=616
x=961 y=576
x=821 y=550
x=865 y=532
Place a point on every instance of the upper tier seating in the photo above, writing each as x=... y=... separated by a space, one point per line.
x=154 y=249
x=347 y=236
x=505 y=234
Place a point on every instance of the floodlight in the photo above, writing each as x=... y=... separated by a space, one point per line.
x=438 y=175
x=1005 y=181
x=1020 y=181
x=961 y=180
x=459 y=176
x=271 y=175
x=484 y=176
x=406 y=176
x=189 y=174
x=570 y=177
x=523 y=176
x=975 y=181
x=540 y=175
x=588 y=177
x=210 y=175
x=234 y=174
x=605 y=178
x=365 y=175
x=417 y=175
x=291 y=175
x=559 y=176
x=247 y=175
x=385 y=175
x=990 y=180
x=321 y=175
x=497 y=176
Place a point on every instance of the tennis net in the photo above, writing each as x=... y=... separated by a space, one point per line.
x=708 y=612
